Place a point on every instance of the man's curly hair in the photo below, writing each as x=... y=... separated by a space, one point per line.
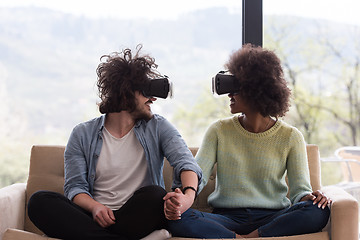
x=119 y=76
x=262 y=82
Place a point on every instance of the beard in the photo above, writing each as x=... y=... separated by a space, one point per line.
x=142 y=113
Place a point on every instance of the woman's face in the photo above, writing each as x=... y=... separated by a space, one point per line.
x=237 y=105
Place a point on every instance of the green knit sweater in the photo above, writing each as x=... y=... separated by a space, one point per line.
x=251 y=167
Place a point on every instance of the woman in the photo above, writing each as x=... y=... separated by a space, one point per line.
x=254 y=151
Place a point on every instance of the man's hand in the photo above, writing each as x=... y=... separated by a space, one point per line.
x=318 y=198
x=177 y=203
x=103 y=215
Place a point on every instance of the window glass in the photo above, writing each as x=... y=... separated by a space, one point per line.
x=50 y=51
x=317 y=42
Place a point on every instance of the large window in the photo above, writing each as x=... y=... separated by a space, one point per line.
x=50 y=51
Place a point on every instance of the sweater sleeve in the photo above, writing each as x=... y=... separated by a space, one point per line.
x=206 y=156
x=297 y=168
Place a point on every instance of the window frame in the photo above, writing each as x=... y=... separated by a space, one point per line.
x=252 y=22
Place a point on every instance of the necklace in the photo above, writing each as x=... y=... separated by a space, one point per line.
x=267 y=125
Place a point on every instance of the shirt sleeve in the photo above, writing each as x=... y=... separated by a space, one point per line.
x=75 y=167
x=297 y=168
x=177 y=153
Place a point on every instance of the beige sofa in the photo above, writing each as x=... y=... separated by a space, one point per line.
x=47 y=172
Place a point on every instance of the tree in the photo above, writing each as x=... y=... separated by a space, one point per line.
x=322 y=68
x=296 y=50
x=344 y=102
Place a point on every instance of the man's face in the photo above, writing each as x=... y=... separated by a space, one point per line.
x=143 y=109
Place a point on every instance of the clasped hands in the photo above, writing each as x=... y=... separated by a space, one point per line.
x=176 y=203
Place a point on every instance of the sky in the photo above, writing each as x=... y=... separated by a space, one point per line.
x=345 y=11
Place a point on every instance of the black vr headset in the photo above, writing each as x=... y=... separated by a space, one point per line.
x=158 y=87
x=224 y=83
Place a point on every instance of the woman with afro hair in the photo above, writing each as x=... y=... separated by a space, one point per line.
x=254 y=150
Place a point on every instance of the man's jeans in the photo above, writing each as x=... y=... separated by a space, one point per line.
x=301 y=218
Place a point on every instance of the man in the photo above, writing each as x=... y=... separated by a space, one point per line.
x=114 y=188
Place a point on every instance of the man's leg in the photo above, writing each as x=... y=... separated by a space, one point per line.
x=141 y=214
x=59 y=217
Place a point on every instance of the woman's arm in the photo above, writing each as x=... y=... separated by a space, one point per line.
x=206 y=156
x=298 y=168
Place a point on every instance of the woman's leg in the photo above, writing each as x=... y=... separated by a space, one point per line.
x=302 y=218
x=59 y=217
x=196 y=224
x=141 y=214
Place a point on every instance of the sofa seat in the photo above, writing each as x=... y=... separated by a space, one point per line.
x=15 y=234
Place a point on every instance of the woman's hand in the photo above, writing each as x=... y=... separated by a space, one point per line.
x=318 y=198
x=177 y=203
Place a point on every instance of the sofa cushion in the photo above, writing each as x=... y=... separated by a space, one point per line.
x=16 y=234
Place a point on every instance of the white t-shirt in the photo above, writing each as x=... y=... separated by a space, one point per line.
x=120 y=171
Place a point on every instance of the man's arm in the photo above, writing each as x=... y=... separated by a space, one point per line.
x=103 y=215
x=178 y=202
x=75 y=164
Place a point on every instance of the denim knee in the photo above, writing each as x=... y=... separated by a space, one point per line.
x=183 y=225
x=319 y=217
x=302 y=218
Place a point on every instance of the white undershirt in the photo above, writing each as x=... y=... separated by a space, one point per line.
x=120 y=171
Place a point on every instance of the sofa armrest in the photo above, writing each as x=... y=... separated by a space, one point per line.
x=344 y=214
x=12 y=207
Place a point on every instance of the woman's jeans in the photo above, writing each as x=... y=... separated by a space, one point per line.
x=301 y=218
x=59 y=217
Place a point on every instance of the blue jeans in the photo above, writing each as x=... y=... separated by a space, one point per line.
x=301 y=218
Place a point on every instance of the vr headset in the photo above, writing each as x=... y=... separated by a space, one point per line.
x=158 y=87
x=224 y=83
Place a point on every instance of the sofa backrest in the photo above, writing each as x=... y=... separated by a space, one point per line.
x=46 y=172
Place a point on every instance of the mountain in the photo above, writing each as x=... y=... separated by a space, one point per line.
x=48 y=58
